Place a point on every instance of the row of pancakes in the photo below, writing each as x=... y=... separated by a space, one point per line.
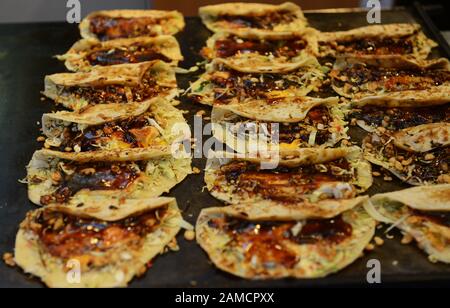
x=105 y=163
x=109 y=156
x=306 y=216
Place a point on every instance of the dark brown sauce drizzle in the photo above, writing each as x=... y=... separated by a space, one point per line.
x=393 y=79
x=250 y=85
x=67 y=236
x=386 y=46
x=107 y=28
x=266 y=21
x=113 y=94
x=425 y=170
x=438 y=217
x=132 y=54
x=93 y=176
x=288 y=132
x=282 y=184
x=264 y=240
x=400 y=118
x=282 y=48
x=89 y=139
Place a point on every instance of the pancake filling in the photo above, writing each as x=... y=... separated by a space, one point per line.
x=108 y=28
x=267 y=21
x=268 y=242
x=310 y=182
x=135 y=53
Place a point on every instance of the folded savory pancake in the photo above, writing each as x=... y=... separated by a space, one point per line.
x=418 y=155
x=243 y=128
x=114 y=127
x=254 y=20
x=371 y=117
x=264 y=56
x=221 y=85
x=123 y=83
x=262 y=246
x=321 y=179
x=392 y=82
x=108 y=248
x=377 y=41
x=422 y=212
x=116 y=24
x=87 y=53
x=96 y=178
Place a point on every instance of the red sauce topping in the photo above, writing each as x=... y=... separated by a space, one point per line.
x=107 y=28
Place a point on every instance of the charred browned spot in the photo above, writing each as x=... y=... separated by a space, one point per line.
x=266 y=21
x=130 y=54
x=281 y=48
x=66 y=236
x=107 y=28
x=267 y=241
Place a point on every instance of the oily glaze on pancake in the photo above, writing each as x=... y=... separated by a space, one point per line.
x=392 y=82
x=114 y=127
x=102 y=178
x=323 y=178
x=254 y=20
x=419 y=159
x=265 y=247
x=377 y=41
x=244 y=128
x=87 y=53
x=109 y=248
x=221 y=85
x=270 y=55
x=370 y=117
x=116 y=24
x=118 y=84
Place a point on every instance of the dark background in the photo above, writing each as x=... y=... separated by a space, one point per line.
x=55 y=10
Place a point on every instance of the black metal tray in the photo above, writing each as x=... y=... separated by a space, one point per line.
x=26 y=52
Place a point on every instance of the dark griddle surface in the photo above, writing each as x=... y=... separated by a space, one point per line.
x=26 y=52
